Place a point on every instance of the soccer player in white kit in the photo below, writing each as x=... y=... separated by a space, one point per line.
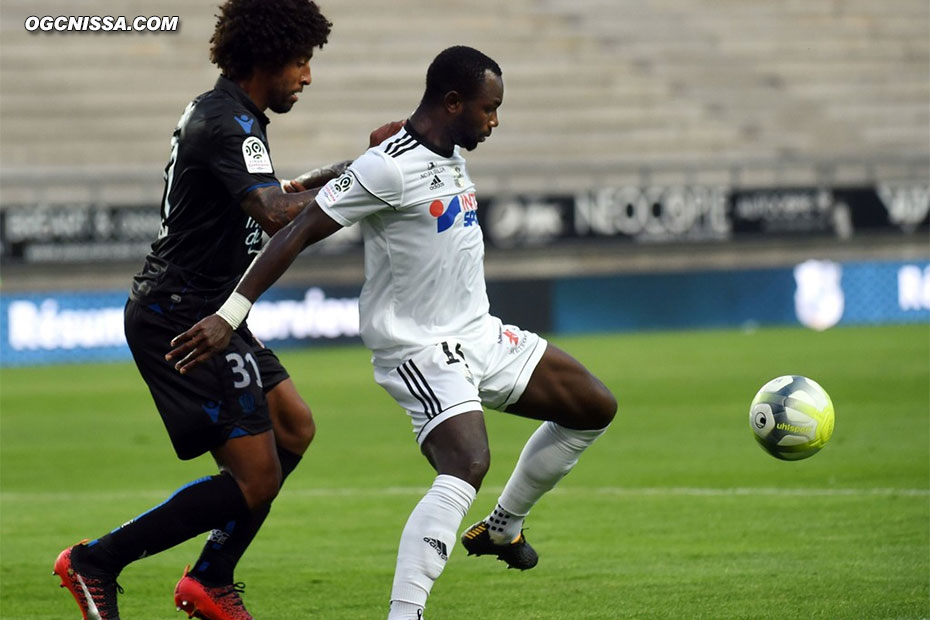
x=425 y=317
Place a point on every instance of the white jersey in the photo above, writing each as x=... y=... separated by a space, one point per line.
x=424 y=252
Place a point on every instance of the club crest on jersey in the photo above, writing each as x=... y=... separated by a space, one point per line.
x=458 y=176
x=245 y=121
x=445 y=216
x=256 y=156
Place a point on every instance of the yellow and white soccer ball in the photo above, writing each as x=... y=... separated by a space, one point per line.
x=791 y=417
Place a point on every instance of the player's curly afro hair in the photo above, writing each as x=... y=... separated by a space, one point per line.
x=265 y=34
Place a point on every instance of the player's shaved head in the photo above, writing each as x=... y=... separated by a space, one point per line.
x=459 y=68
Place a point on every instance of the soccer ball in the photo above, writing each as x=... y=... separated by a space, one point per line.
x=791 y=417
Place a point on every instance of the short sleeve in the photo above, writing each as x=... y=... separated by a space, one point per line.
x=370 y=184
x=240 y=161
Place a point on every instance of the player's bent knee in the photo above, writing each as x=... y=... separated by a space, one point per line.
x=607 y=409
x=305 y=430
x=599 y=409
x=260 y=493
x=310 y=431
x=259 y=484
x=478 y=468
x=295 y=430
x=472 y=469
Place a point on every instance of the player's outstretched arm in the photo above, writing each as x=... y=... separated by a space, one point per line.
x=315 y=179
x=274 y=207
x=211 y=334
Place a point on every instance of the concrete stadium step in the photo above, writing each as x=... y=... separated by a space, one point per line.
x=589 y=80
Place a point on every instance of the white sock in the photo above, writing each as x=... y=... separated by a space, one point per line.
x=550 y=453
x=402 y=610
x=426 y=543
x=503 y=526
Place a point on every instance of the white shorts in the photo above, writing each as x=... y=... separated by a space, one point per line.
x=452 y=377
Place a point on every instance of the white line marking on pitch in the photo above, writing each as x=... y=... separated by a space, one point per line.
x=16 y=496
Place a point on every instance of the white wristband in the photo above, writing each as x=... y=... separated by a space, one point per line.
x=235 y=309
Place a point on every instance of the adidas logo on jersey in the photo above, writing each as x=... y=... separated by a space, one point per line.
x=439 y=546
x=436 y=183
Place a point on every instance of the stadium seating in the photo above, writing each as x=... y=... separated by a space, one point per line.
x=593 y=87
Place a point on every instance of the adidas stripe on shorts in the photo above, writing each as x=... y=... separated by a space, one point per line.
x=452 y=377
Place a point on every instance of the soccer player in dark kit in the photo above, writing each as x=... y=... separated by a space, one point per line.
x=220 y=194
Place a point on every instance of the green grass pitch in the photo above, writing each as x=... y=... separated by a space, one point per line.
x=676 y=513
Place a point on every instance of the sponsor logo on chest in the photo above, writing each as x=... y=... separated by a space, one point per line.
x=446 y=214
x=253 y=236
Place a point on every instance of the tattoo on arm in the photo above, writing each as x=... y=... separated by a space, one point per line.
x=310 y=225
x=320 y=176
x=272 y=208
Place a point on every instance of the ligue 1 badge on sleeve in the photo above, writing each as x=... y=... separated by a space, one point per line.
x=257 y=159
x=337 y=188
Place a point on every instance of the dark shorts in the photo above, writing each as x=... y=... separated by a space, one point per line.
x=221 y=399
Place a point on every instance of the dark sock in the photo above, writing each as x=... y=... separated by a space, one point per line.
x=225 y=546
x=194 y=508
